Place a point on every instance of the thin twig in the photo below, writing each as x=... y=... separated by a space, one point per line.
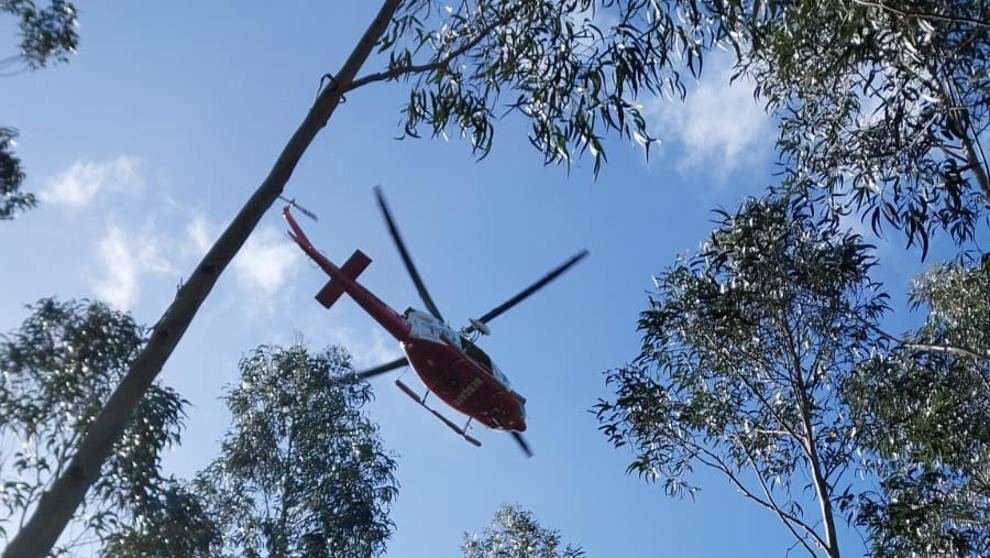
x=420 y=68
x=716 y=462
x=776 y=507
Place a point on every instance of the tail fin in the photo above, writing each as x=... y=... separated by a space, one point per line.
x=351 y=268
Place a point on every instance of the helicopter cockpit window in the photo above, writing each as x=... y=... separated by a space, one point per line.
x=475 y=352
x=500 y=376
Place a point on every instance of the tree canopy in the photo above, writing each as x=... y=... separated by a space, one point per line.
x=746 y=347
x=924 y=408
x=516 y=533
x=302 y=471
x=882 y=107
x=12 y=199
x=57 y=370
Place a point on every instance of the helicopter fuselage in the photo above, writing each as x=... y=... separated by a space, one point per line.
x=461 y=374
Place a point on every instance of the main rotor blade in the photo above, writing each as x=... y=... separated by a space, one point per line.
x=522 y=443
x=529 y=290
x=405 y=256
x=381 y=369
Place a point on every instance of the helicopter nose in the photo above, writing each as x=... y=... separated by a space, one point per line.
x=520 y=420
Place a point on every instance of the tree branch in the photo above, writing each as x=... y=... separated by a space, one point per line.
x=945 y=349
x=394 y=73
x=960 y=124
x=972 y=156
x=716 y=462
x=773 y=411
x=924 y=15
x=928 y=347
x=776 y=507
x=931 y=347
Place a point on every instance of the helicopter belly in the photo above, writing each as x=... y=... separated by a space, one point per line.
x=463 y=385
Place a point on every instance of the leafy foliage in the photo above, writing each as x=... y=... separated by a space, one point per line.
x=46 y=34
x=958 y=299
x=302 y=471
x=174 y=523
x=57 y=370
x=515 y=533
x=574 y=69
x=11 y=177
x=926 y=412
x=745 y=348
x=882 y=107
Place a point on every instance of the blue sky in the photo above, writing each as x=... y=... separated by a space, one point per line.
x=147 y=143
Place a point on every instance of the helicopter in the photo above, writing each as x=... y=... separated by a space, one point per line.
x=447 y=360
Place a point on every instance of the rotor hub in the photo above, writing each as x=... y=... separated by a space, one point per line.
x=480 y=326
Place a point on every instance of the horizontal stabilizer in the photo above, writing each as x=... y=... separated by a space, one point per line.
x=353 y=267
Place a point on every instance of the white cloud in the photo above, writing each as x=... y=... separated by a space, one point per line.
x=77 y=185
x=368 y=349
x=382 y=349
x=266 y=261
x=365 y=352
x=718 y=126
x=125 y=256
x=198 y=235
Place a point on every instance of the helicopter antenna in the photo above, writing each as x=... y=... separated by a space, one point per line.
x=301 y=209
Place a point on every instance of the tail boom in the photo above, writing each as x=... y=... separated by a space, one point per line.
x=343 y=280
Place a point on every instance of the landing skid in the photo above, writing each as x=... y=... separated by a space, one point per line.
x=447 y=421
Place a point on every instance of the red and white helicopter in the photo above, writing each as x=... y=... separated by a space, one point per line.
x=447 y=360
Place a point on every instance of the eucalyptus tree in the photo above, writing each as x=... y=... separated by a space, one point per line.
x=516 y=533
x=55 y=372
x=882 y=106
x=746 y=346
x=572 y=69
x=46 y=35
x=924 y=409
x=302 y=471
x=174 y=523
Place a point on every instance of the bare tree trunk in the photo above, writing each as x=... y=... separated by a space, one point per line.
x=804 y=405
x=57 y=505
x=821 y=486
x=814 y=463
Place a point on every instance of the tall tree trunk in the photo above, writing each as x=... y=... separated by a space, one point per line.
x=814 y=463
x=821 y=486
x=57 y=505
x=803 y=395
